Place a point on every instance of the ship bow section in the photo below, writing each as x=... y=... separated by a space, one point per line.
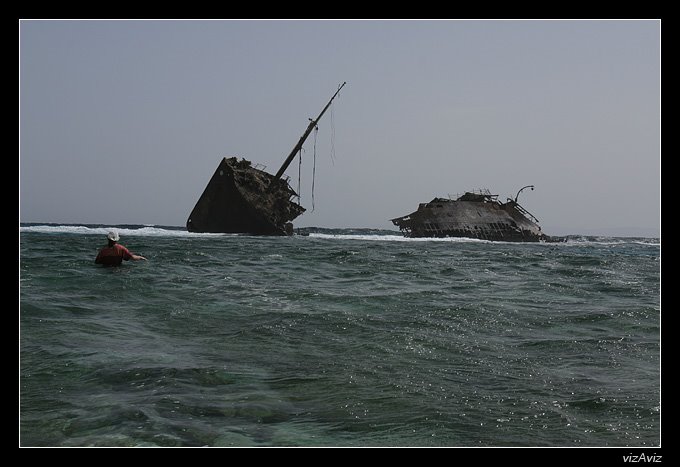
x=242 y=199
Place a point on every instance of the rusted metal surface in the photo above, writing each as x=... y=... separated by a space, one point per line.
x=472 y=215
x=242 y=199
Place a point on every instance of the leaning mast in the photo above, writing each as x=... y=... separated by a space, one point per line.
x=303 y=138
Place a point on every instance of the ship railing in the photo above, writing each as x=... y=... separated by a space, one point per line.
x=526 y=213
x=478 y=191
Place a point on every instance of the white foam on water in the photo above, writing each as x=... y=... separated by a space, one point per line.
x=568 y=243
x=609 y=241
x=396 y=238
x=157 y=231
x=147 y=231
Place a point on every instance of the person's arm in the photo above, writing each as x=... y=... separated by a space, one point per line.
x=127 y=255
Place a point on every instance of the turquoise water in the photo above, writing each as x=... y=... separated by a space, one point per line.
x=338 y=339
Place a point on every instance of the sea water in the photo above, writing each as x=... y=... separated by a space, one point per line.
x=338 y=338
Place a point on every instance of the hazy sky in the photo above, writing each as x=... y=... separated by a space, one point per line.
x=126 y=121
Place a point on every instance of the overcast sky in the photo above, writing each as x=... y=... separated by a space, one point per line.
x=126 y=121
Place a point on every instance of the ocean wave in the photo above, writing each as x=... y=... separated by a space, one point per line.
x=592 y=240
x=568 y=242
x=150 y=230
x=395 y=238
x=142 y=231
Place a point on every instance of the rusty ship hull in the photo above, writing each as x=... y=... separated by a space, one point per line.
x=473 y=215
x=240 y=198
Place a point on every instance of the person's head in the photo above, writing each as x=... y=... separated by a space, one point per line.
x=113 y=237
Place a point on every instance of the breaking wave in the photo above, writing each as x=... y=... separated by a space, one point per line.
x=380 y=235
x=131 y=230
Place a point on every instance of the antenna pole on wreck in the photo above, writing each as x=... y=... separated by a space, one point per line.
x=520 y=190
x=309 y=129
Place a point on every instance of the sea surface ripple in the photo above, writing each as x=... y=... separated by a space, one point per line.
x=340 y=338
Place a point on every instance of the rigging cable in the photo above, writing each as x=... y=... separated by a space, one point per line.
x=316 y=132
x=332 y=134
x=299 y=171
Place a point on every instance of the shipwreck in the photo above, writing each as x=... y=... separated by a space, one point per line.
x=244 y=198
x=475 y=214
